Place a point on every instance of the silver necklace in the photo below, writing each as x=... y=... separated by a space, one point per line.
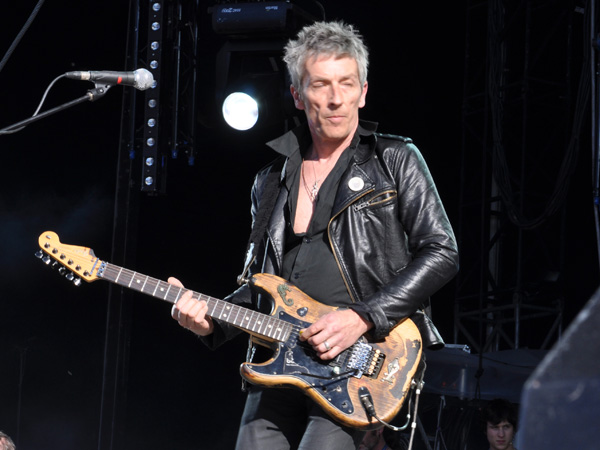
x=312 y=192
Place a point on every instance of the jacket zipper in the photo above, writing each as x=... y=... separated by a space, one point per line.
x=337 y=260
x=373 y=201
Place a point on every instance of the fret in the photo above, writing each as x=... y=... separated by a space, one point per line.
x=167 y=293
x=278 y=329
x=261 y=322
x=239 y=316
x=238 y=309
x=214 y=307
x=125 y=273
x=210 y=302
x=268 y=325
x=264 y=325
x=137 y=281
x=162 y=288
x=155 y=288
x=218 y=308
x=84 y=263
x=246 y=322
x=177 y=296
x=203 y=297
x=252 y=321
x=145 y=281
x=287 y=329
x=225 y=313
x=131 y=281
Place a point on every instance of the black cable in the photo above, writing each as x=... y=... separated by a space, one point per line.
x=11 y=129
x=11 y=49
x=500 y=165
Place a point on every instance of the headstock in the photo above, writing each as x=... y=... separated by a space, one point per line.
x=73 y=261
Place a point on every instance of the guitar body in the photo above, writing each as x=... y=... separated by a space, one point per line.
x=295 y=364
x=369 y=372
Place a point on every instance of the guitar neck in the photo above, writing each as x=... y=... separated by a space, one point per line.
x=253 y=322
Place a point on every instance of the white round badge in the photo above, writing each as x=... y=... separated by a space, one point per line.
x=356 y=184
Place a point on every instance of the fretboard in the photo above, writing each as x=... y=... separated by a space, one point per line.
x=246 y=319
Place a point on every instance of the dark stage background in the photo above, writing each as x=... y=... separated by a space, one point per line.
x=60 y=174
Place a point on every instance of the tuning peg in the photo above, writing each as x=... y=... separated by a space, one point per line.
x=47 y=259
x=62 y=270
x=55 y=264
x=77 y=281
x=39 y=254
x=70 y=276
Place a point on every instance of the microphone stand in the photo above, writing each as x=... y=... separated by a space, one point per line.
x=91 y=95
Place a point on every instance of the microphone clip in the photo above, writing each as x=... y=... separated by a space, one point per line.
x=99 y=91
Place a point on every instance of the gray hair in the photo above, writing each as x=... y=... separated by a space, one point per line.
x=6 y=443
x=325 y=38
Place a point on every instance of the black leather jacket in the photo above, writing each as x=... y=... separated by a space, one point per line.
x=389 y=232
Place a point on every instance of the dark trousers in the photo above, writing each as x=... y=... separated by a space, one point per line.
x=285 y=419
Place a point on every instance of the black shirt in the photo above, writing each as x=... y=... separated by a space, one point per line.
x=308 y=261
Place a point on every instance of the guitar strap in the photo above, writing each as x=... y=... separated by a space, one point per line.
x=265 y=209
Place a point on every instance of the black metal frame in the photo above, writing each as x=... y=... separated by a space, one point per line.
x=511 y=218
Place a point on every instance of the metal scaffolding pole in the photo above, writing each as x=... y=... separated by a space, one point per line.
x=516 y=154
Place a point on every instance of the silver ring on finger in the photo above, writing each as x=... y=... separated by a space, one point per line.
x=326 y=344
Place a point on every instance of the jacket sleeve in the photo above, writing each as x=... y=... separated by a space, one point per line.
x=432 y=249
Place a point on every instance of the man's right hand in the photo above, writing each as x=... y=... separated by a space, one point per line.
x=190 y=312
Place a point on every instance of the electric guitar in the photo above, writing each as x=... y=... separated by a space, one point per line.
x=368 y=381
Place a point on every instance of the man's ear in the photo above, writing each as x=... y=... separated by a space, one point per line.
x=363 y=95
x=298 y=103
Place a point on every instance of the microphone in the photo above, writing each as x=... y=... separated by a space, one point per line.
x=141 y=79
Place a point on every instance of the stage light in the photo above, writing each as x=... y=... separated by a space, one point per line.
x=250 y=62
x=151 y=134
x=258 y=100
x=240 y=111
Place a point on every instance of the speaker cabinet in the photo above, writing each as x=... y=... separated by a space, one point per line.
x=560 y=403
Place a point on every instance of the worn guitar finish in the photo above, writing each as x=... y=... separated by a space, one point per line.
x=380 y=371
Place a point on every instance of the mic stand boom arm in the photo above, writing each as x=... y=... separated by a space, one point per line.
x=91 y=95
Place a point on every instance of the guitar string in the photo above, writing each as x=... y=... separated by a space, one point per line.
x=155 y=283
x=290 y=329
x=111 y=271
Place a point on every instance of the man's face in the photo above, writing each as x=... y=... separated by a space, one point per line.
x=332 y=95
x=500 y=436
x=371 y=439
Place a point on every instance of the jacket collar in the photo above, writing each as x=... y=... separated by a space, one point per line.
x=299 y=138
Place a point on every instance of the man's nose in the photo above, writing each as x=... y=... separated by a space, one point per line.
x=335 y=95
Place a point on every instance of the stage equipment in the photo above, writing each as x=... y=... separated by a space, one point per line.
x=260 y=97
x=237 y=19
x=240 y=111
x=250 y=61
x=151 y=162
x=561 y=400
x=140 y=79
